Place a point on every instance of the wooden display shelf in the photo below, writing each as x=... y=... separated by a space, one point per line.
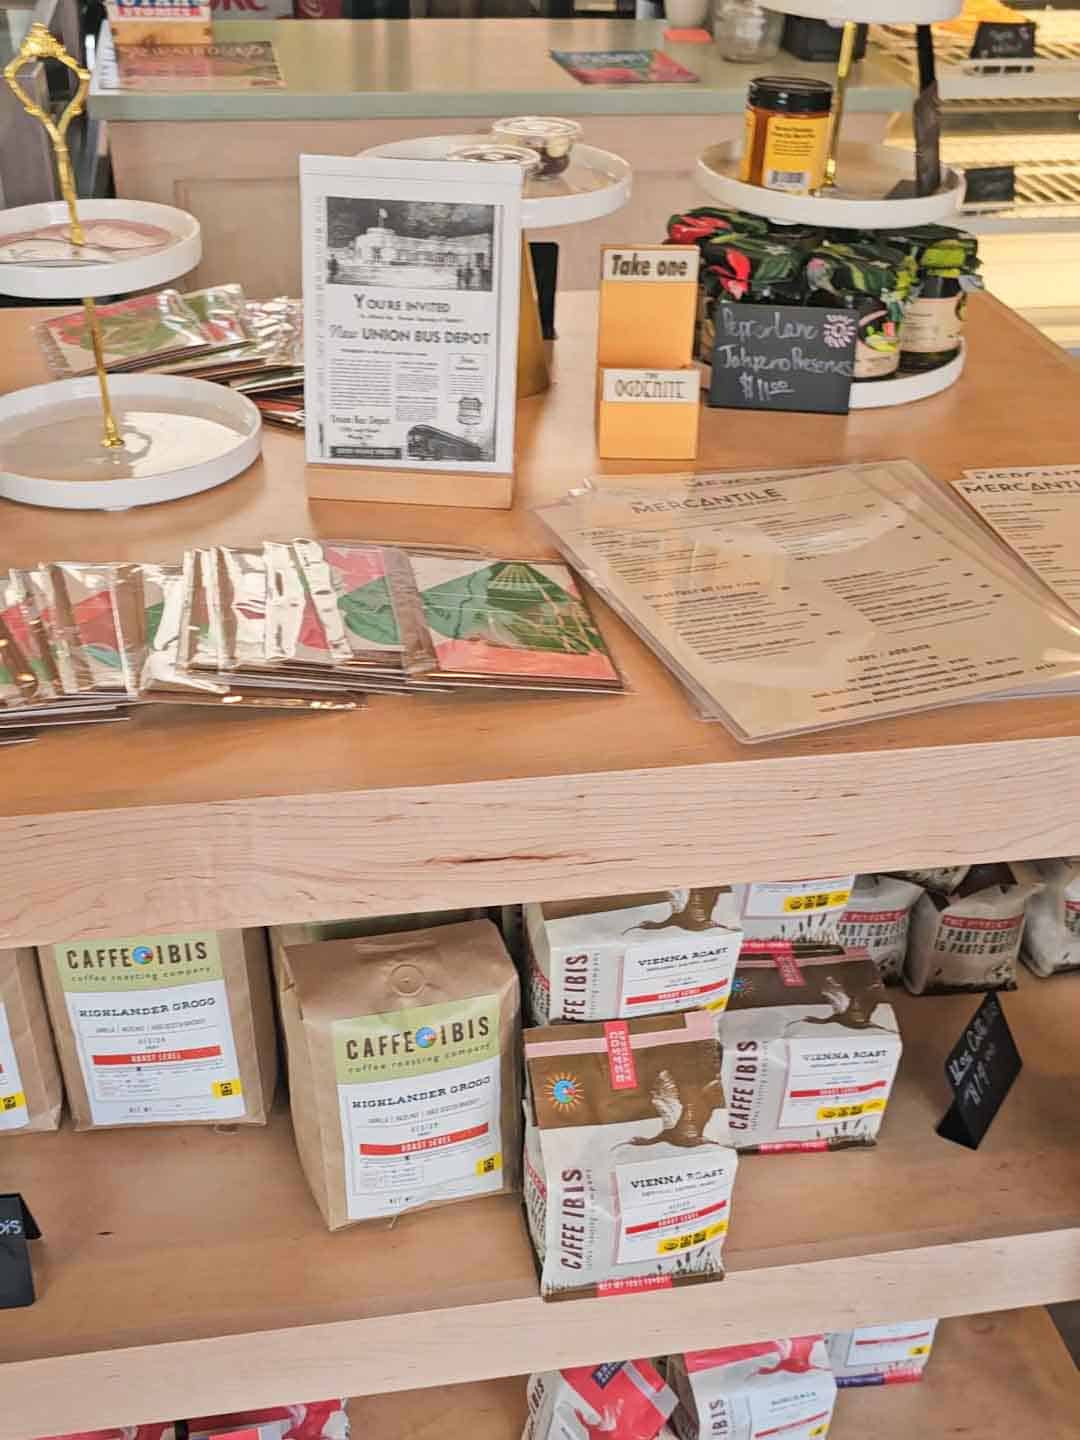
x=184 y=817
x=994 y=1377
x=190 y=1266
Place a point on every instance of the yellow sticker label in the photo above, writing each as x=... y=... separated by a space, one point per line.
x=489 y=1164
x=820 y=1430
x=820 y=900
x=692 y=1238
x=846 y=1112
x=720 y=1004
x=795 y=149
x=225 y=1089
x=13 y=1102
x=919 y=1350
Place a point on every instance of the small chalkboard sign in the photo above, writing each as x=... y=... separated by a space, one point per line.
x=17 y=1228
x=783 y=357
x=980 y=1069
x=1004 y=40
x=990 y=185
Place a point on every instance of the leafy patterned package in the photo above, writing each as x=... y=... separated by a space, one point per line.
x=628 y=1174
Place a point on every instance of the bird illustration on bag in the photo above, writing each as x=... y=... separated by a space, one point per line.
x=684 y=1120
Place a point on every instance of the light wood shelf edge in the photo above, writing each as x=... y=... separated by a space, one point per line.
x=403 y=1352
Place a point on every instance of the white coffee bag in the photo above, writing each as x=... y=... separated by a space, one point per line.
x=881 y=1354
x=628 y=1176
x=797 y=910
x=778 y=1388
x=31 y=1094
x=623 y=1400
x=1052 y=933
x=970 y=938
x=943 y=877
x=877 y=919
x=628 y=955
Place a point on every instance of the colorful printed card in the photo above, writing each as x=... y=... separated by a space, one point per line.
x=623 y=67
x=134 y=332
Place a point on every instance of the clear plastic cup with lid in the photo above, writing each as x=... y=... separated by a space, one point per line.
x=492 y=153
x=552 y=138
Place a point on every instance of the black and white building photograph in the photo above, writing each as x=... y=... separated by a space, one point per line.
x=409 y=244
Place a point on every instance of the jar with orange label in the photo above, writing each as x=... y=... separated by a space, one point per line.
x=787 y=133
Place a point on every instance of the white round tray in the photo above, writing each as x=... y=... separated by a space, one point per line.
x=874 y=12
x=74 y=282
x=866 y=173
x=595 y=183
x=875 y=394
x=180 y=436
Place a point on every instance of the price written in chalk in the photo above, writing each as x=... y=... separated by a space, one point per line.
x=783 y=357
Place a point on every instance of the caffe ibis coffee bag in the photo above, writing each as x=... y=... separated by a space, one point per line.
x=164 y=1029
x=1052 y=934
x=403 y=1054
x=621 y=1400
x=881 y=1354
x=811 y=1048
x=629 y=955
x=877 y=919
x=31 y=1094
x=307 y=932
x=628 y=1174
x=969 y=938
x=796 y=910
x=781 y=1388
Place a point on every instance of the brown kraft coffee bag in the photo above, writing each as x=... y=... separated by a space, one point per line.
x=164 y=1029
x=31 y=1095
x=403 y=1054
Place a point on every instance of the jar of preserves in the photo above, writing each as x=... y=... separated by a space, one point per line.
x=786 y=133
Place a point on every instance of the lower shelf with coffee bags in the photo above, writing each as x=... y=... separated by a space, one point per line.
x=811 y=1048
x=31 y=1095
x=628 y=1173
x=403 y=1054
x=164 y=1029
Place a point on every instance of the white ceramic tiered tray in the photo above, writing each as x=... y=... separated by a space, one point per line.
x=873 y=12
x=903 y=389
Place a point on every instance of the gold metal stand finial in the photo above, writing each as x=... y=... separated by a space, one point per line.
x=40 y=44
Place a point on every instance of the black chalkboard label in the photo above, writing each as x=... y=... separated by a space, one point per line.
x=1003 y=40
x=17 y=1227
x=981 y=1068
x=989 y=185
x=783 y=357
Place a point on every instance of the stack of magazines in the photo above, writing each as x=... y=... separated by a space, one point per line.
x=214 y=334
x=301 y=625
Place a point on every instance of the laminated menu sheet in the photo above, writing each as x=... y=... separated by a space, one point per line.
x=793 y=602
x=1035 y=510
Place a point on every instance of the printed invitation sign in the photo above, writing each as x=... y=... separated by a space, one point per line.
x=411 y=276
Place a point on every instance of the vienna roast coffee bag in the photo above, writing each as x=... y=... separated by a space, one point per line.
x=796 y=910
x=628 y=1174
x=403 y=1057
x=632 y=954
x=1052 y=933
x=622 y=1400
x=881 y=1354
x=780 y=1388
x=811 y=1048
x=164 y=1029
x=877 y=919
x=31 y=1094
x=969 y=938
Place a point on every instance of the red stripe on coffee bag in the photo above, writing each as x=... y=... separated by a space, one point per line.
x=620 y=1052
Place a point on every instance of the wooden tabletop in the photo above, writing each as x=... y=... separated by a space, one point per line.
x=184 y=816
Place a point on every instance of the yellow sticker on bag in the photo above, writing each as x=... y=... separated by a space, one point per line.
x=819 y=900
x=13 y=1102
x=693 y=1237
x=489 y=1164
x=225 y=1089
x=847 y=1112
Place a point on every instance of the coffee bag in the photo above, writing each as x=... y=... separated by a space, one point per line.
x=969 y=939
x=881 y=1354
x=31 y=1095
x=1052 y=932
x=744 y=1392
x=164 y=1029
x=632 y=954
x=623 y=1400
x=308 y=932
x=877 y=919
x=811 y=1048
x=628 y=1175
x=403 y=1055
x=806 y=911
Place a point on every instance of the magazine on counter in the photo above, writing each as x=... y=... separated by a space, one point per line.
x=411 y=294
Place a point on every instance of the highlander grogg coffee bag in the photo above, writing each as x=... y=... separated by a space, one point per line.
x=623 y=1400
x=881 y=1354
x=632 y=954
x=778 y=1388
x=404 y=1069
x=31 y=1094
x=811 y=1048
x=798 y=910
x=164 y=1029
x=877 y=920
x=628 y=1174
x=310 y=931
x=969 y=939
x=1052 y=933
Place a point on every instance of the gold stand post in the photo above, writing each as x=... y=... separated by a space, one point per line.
x=843 y=74
x=41 y=45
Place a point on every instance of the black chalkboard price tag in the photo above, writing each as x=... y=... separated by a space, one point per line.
x=1004 y=40
x=980 y=1069
x=990 y=185
x=17 y=1228
x=783 y=357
